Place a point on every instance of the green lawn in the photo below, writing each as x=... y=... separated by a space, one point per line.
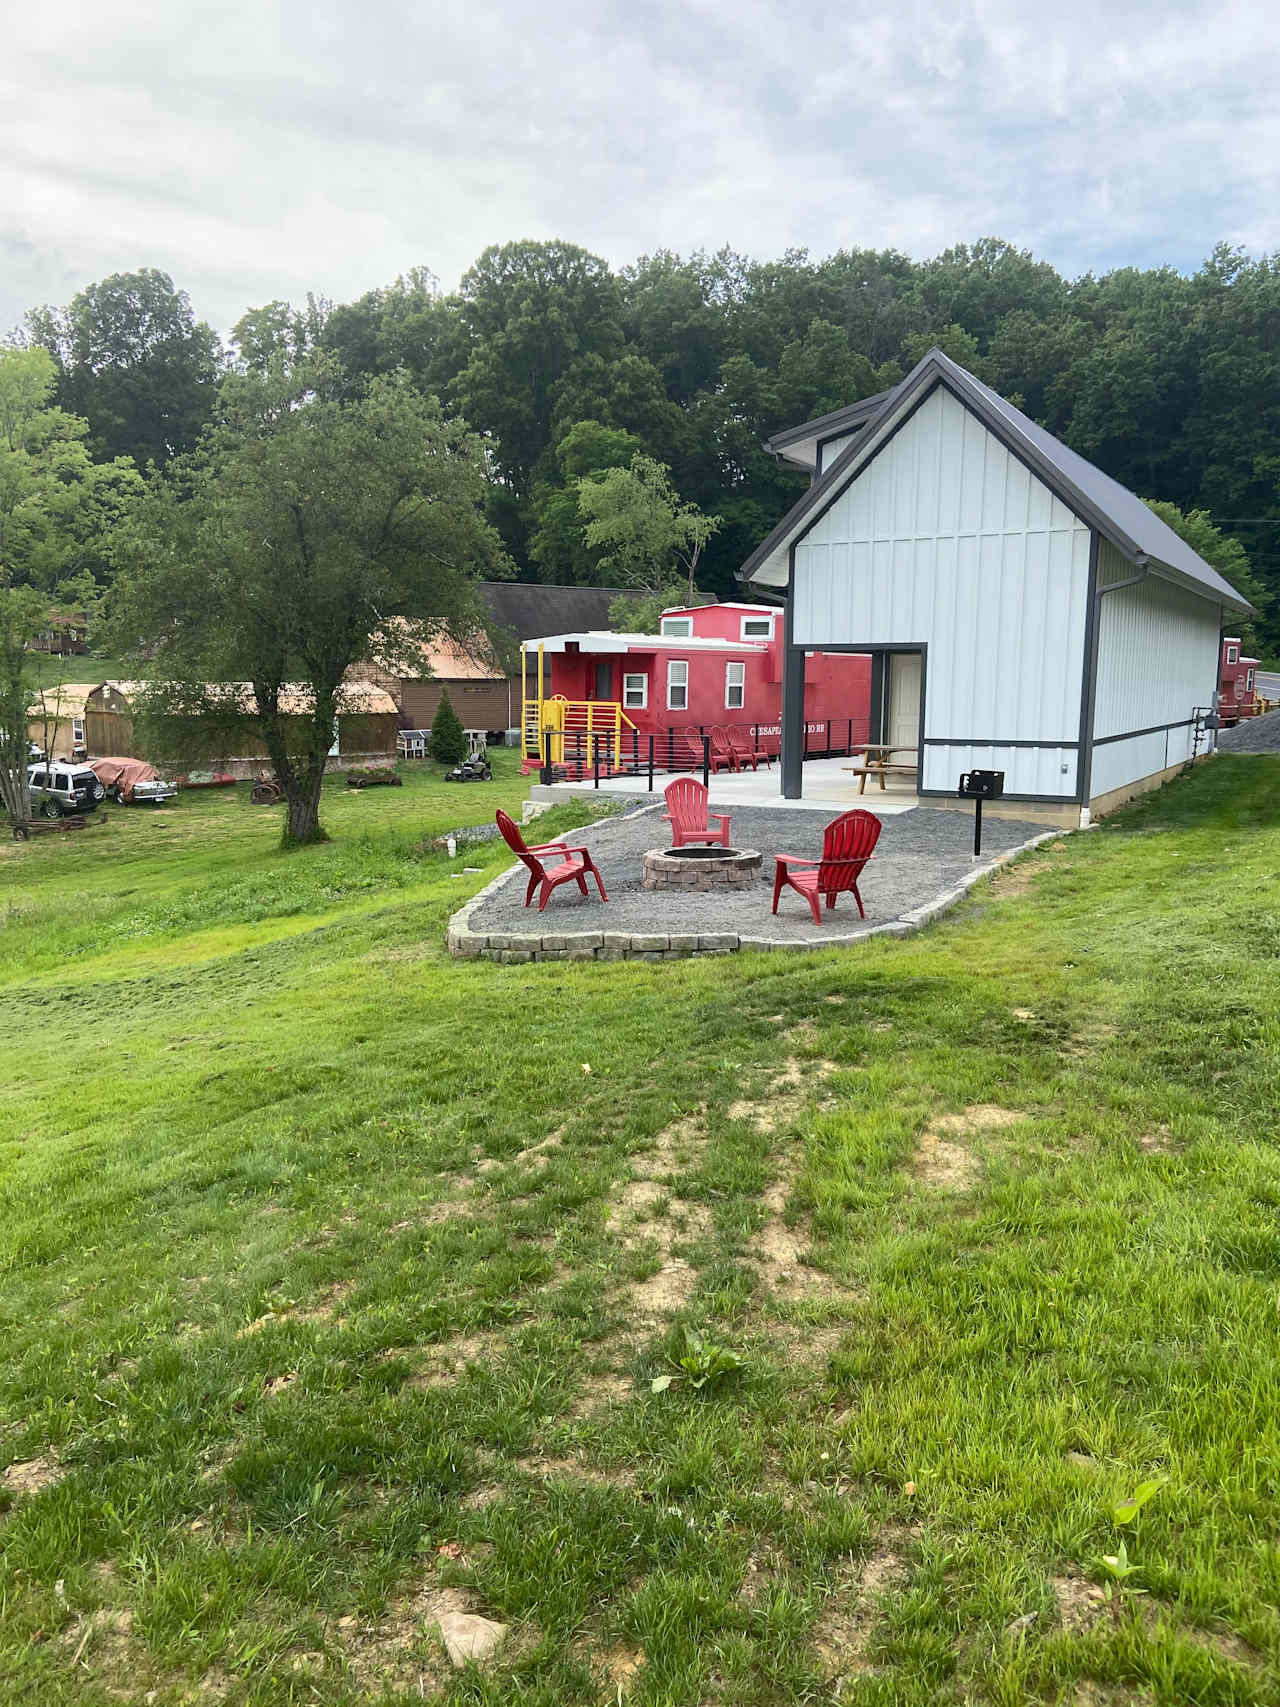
x=335 y=1275
x=50 y=670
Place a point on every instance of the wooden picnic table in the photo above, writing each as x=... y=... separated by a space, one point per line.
x=879 y=762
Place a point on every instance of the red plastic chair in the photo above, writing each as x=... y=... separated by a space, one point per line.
x=570 y=870
x=687 y=814
x=743 y=751
x=846 y=847
x=723 y=755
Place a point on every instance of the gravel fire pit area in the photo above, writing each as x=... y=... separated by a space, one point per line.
x=923 y=864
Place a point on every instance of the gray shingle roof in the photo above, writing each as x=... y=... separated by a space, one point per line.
x=1118 y=514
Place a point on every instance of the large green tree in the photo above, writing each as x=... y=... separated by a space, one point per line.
x=313 y=529
x=135 y=363
x=56 y=505
x=530 y=311
x=23 y=613
x=649 y=537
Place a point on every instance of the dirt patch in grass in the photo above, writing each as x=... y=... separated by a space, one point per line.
x=1081 y=1603
x=448 y=1358
x=32 y=1476
x=574 y=1470
x=541 y=1152
x=942 y=1162
x=667 y=1291
x=1226 y=1643
x=327 y=1310
x=1158 y=1143
x=786 y=1097
x=610 y=1387
x=843 y=1628
x=1017 y=879
x=948 y=1166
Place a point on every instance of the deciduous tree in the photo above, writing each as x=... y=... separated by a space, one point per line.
x=312 y=530
x=646 y=531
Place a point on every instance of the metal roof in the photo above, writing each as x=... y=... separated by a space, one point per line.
x=1117 y=514
x=603 y=641
x=789 y=443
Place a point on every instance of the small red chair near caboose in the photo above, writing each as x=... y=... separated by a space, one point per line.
x=847 y=843
x=687 y=814
x=573 y=868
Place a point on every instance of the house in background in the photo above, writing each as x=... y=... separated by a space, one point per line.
x=1237 y=675
x=1023 y=611
x=66 y=636
x=483 y=680
x=708 y=666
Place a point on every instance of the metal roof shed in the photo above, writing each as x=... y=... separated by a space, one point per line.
x=1024 y=611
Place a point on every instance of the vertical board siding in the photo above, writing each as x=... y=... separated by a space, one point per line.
x=828 y=452
x=1027 y=770
x=946 y=540
x=1157 y=660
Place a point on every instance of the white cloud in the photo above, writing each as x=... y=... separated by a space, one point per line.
x=257 y=149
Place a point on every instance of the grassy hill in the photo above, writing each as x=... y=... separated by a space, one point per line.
x=335 y=1274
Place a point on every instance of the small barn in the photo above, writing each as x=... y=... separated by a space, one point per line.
x=97 y=719
x=1023 y=612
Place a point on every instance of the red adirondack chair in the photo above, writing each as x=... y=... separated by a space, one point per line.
x=723 y=755
x=573 y=868
x=846 y=847
x=687 y=814
x=742 y=749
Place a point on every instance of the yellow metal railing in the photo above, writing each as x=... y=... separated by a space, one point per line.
x=558 y=717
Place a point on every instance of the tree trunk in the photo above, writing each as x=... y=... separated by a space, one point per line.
x=302 y=819
x=301 y=782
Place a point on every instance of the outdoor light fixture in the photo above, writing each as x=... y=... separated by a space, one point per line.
x=979 y=786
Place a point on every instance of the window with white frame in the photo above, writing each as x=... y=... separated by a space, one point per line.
x=1248 y=682
x=735 y=686
x=677 y=627
x=77 y=731
x=635 y=692
x=1233 y=654
x=757 y=627
x=677 y=684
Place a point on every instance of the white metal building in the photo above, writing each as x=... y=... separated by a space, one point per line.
x=1023 y=611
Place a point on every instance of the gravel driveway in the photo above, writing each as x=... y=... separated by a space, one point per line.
x=1252 y=735
x=919 y=854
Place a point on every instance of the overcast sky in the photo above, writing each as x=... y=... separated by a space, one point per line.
x=260 y=148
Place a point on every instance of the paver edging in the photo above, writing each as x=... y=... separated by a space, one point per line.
x=521 y=947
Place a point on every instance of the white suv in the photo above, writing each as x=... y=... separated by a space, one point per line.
x=58 y=789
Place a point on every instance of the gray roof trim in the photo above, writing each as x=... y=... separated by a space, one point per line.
x=1101 y=502
x=825 y=426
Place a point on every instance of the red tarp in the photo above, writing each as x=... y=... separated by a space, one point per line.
x=125 y=772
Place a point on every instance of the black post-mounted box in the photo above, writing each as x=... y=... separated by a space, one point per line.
x=981 y=785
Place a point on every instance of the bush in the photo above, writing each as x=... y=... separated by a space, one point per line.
x=448 y=743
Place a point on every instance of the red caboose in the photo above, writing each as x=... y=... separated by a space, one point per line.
x=1237 y=695
x=708 y=667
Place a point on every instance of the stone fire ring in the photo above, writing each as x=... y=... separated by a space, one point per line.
x=701 y=868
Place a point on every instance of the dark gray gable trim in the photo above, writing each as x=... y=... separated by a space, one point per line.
x=933 y=370
x=829 y=425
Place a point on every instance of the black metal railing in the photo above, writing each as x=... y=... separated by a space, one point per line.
x=702 y=748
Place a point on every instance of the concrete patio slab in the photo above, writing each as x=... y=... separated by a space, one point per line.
x=827 y=785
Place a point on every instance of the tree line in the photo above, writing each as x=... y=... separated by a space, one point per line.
x=334 y=479
x=1169 y=382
